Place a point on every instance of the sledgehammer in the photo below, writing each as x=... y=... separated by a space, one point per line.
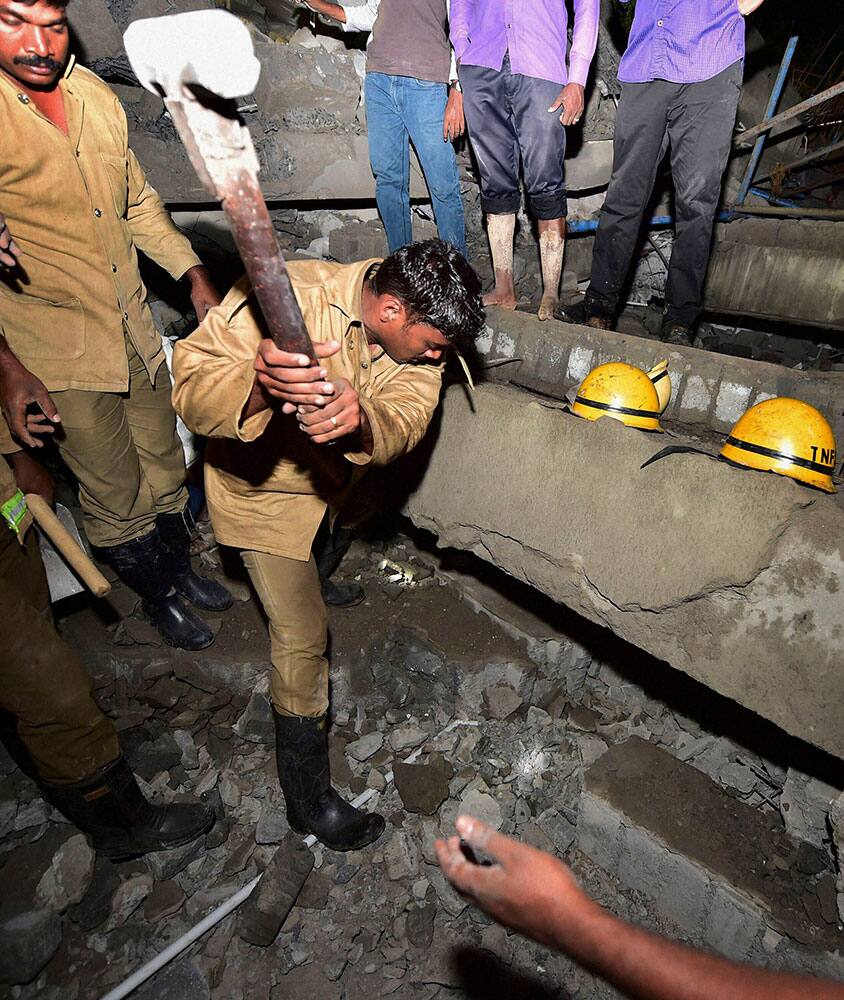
x=199 y=62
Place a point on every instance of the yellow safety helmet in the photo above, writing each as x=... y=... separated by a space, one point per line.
x=662 y=381
x=621 y=391
x=786 y=436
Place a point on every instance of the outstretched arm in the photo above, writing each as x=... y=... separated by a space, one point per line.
x=537 y=895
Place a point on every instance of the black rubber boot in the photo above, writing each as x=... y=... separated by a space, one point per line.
x=143 y=565
x=329 y=548
x=207 y=595
x=675 y=332
x=122 y=824
x=313 y=806
x=586 y=312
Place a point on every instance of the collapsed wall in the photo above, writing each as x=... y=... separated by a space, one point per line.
x=731 y=576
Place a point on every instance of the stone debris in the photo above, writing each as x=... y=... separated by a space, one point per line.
x=495 y=729
x=129 y=896
x=30 y=939
x=423 y=787
x=501 y=702
x=260 y=918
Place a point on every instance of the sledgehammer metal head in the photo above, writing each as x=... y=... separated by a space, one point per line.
x=199 y=62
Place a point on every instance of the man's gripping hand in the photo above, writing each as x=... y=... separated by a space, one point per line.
x=341 y=416
x=9 y=250
x=294 y=378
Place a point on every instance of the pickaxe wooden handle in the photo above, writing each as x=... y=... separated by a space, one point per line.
x=199 y=62
x=66 y=545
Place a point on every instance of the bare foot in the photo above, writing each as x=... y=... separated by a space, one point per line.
x=547 y=306
x=503 y=298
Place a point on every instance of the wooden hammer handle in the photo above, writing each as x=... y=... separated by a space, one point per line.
x=244 y=205
x=67 y=545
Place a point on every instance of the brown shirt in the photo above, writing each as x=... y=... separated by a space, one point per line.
x=410 y=38
x=267 y=485
x=79 y=207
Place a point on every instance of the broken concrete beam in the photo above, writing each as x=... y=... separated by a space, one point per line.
x=802 y=261
x=709 y=390
x=717 y=868
x=261 y=916
x=729 y=575
x=326 y=92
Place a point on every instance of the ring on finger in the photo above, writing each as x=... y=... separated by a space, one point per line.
x=333 y=421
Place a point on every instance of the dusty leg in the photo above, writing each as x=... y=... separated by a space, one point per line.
x=500 y=230
x=552 y=239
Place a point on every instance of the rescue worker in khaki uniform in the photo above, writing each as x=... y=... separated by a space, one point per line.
x=77 y=339
x=46 y=702
x=288 y=440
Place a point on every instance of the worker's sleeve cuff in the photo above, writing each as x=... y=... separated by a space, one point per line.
x=363 y=457
x=250 y=428
x=578 y=68
x=183 y=264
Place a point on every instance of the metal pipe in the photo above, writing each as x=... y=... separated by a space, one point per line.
x=789 y=213
x=743 y=138
x=810 y=158
x=772 y=198
x=773 y=100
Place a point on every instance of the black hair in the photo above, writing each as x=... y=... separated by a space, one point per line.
x=58 y=4
x=437 y=286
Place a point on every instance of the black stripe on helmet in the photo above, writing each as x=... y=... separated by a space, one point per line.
x=758 y=449
x=609 y=408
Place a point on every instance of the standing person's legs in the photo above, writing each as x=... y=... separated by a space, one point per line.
x=152 y=423
x=46 y=690
x=389 y=157
x=486 y=104
x=640 y=141
x=104 y=451
x=289 y=590
x=423 y=108
x=700 y=129
x=542 y=142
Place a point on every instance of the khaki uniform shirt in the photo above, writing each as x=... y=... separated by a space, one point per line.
x=78 y=206
x=8 y=486
x=267 y=485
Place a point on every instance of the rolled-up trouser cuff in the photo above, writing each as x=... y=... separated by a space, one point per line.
x=548 y=206
x=503 y=205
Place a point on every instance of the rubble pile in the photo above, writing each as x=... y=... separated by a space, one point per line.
x=437 y=709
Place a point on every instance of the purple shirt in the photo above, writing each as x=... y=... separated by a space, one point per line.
x=682 y=41
x=533 y=31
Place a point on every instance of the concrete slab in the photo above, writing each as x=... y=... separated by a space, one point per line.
x=731 y=576
x=715 y=866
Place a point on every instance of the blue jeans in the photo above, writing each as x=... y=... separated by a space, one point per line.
x=400 y=110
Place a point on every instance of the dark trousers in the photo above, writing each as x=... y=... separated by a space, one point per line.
x=508 y=120
x=44 y=686
x=694 y=120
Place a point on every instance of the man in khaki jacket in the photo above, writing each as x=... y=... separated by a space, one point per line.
x=77 y=340
x=46 y=703
x=288 y=441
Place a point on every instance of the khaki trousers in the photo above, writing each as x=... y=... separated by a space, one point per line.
x=124 y=450
x=290 y=593
x=43 y=683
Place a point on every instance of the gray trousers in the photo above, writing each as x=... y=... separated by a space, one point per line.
x=694 y=120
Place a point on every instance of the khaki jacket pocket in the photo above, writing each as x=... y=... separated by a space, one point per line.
x=49 y=331
x=118 y=181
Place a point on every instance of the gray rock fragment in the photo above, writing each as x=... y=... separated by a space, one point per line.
x=164 y=865
x=407 y=738
x=365 y=747
x=500 y=702
x=261 y=916
x=30 y=939
x=182 y=981
x=256 y=721
x=422 y=787
x=128 y=898
x=482 y=806
x=165 y=899
x=67 y=879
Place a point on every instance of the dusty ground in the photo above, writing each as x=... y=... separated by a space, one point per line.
x=414 y=670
